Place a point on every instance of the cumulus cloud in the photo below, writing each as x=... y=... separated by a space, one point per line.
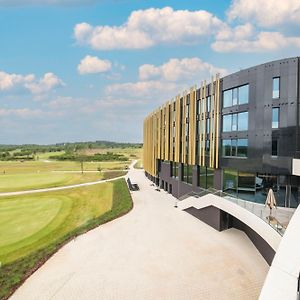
x=35 y=86
x=180 y=69
x=9 y=81
x=45 y=84
x=93 y=64
x=266 y=13
x=145 y=28
x=249 y=41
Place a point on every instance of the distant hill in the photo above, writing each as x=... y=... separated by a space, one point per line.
x=75 y=146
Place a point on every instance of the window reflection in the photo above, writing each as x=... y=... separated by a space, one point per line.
x=276 y=87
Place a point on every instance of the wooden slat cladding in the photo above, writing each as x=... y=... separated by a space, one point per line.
x=192 y=128
x=177 y=129
x=160 y=136
x=167 y=131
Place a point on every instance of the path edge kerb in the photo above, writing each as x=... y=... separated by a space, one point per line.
x=42 y=261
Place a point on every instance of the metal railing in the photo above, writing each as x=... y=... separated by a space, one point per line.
x=256 y=208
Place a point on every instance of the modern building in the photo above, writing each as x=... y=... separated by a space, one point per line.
x=238 y=134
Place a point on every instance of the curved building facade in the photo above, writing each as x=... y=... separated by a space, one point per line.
x=238 y=134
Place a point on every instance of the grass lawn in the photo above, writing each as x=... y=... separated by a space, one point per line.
x=17 y=167
x=33 y=227
x=29 y=175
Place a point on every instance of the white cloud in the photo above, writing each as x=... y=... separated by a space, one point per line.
x=266 y=13
x=35 y=86
x=261 y=42
x=93 y=64
x=45 y=84
x=180 y=69
x=145 y=28
x=9 y=81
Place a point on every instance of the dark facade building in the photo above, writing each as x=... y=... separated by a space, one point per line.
x=238 y=134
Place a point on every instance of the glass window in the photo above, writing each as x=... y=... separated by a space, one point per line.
x=234 y=122
x=175 y=169
x=234 y=96
x=208 y=104
x=190 y=174
x=187 y=111
x=207 y=126
x=202 y=177
x=246 y=186
x=274 y=147
x=233 y=147
x=203 y=106
x=227 y=98
x=275 y=117
x=210 y=177
x=243 y=121
x=227 y=123
x=226 y=147
x=242 y=147
x=276 y=87
x=184 y=172
x=244 y=94
x=198 y=107
x=207 y=144
x=230 y=181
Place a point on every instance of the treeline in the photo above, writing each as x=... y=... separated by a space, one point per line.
x=108 y=156
x=67 y=147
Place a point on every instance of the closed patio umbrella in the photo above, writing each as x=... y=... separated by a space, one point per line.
x=271 y=201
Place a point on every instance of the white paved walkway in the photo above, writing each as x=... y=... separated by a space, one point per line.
x=154 y=252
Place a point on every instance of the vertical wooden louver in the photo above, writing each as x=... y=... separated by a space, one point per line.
x=159 y=135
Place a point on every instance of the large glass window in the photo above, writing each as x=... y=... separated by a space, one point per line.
x=209 y=178
x=230 y=181
x=205 y=177
x=275 y=117
x=244 y=94
x=235 y=148
x=242 y=147
x=202 y=177
x=235 y=122
x=174 y=169
x=226 y=123
x=226 y=147
x=187 y=174
x=274 y=147
x=227 y=98
x=243 y=121
x=276 y=87
x=235 y=96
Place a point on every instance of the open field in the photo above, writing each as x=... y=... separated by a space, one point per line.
x=29 y=181
x=14 y=167
x=130 y=153
x=51 y=219
x=18 y=176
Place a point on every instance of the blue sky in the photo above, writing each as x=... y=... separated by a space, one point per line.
x=74 y=70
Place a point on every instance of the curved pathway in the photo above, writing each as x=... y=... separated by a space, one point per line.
x=58 y=188
x=156 y=251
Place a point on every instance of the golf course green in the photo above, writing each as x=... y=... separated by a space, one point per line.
x=34 y=226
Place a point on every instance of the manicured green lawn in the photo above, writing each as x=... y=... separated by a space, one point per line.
x=19 y=176
x=17 y=167
x=33 y=227
x=21 y=182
